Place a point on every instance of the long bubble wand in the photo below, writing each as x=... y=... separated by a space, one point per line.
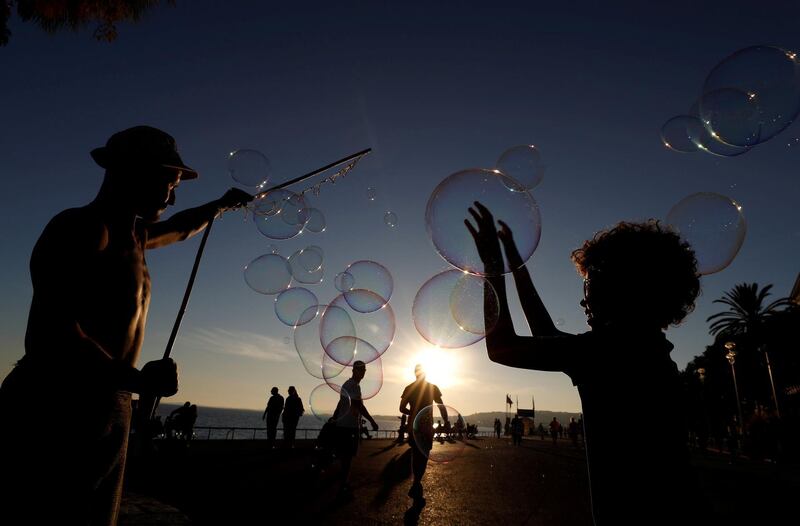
x=350 y=161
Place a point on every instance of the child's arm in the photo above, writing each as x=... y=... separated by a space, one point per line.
x=539 y=320
x=549 y=352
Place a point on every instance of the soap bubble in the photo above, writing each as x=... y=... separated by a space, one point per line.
x=371 y=276
x=376 y=327
x=372 y=382
x=713 y=225
x=309 y=347
x=324 y=401
x=298 y=270
x=293 y=303
x=268 y=274
x=447 y=210
x=523 y=164
x=675 y=133
x=249 y=167
x=371 y=193
x=390 y=219
x=344 y=281
x=315 y=221
x=281 y=214
x=435 y=434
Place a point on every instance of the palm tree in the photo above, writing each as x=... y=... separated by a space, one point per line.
x=746 y=320
x=747 y=312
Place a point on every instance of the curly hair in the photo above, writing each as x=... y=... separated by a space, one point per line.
x=643 y=263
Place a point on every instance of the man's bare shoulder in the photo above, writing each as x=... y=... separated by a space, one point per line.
x=75 y=229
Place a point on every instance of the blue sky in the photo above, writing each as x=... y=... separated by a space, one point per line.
x=433 y=90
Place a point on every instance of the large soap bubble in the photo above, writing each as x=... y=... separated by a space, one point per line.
x=268 y=274
x=371 y=276
x=675 y=133
x=249 y=167
x=372 y=382
x=438 y=432
x=713 y=225
x=707 y=141
x=524 y=165
x=292 y=304
x=770 y=78
x=301 y=260
x=376 y=328
x=324 y=401
x=448 y=209
x=451 y=295
x=315 y=221
x=309 y=347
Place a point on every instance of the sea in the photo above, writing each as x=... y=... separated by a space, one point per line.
x=251 y=426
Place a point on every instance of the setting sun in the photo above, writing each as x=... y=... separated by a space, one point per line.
x=441 y=368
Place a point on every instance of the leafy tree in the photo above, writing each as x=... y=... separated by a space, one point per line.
x=55 y=15
x=747 y=313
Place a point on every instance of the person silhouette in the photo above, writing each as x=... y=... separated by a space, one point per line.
x=292 y=411
x=639 y=278
x=272 y=415
x=572 y=431
x=347 y=417
x=86 y=325
x=555 y=430
x=417 y=396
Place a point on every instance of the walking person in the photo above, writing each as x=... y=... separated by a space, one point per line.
x=417 y=396
x=347 y=417
x=272 y=415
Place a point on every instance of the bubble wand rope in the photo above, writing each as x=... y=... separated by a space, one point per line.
x=350 y=159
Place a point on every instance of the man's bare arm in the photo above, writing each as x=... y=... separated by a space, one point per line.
x=187 y=223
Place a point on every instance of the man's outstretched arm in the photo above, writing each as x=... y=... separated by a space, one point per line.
x=187 y=223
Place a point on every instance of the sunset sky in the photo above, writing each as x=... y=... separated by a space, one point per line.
x=433 y=90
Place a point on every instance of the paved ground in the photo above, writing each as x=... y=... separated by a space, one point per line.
x=240 y=482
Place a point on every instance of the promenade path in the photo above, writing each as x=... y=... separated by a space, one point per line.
x=492 y=482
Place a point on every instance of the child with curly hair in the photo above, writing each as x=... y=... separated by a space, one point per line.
x=639 y=278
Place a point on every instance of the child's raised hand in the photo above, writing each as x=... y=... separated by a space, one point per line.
x=486 y=238
x=507 y=238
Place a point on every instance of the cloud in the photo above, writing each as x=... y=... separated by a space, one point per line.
x=241 y=343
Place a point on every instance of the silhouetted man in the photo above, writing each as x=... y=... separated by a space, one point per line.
x=91 y=292
x=292 y=411
x=416 y=397
x=347 y=417
x=272 y=414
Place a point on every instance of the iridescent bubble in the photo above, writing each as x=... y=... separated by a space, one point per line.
x=675 y=134
x=281 y=214
x=372 y=382
x=705 y=141
x=713 y=225
x=310 y=258
x=523 y=164
x=371 y=193
x=249 y=167
x=448 y=208
x=299 y=273
x=436 y=433
x=309 y=347
x=268 y=274
x=292 y=304
x=371 y=276
x=390 y=219
x=315 y=222
x=376 y=327
x=344 y=281
x=468 y=306
x=770 y=77
x=731 y=116
x=445 y=294
x=324 y=401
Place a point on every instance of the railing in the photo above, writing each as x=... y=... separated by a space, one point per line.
x=301 y=433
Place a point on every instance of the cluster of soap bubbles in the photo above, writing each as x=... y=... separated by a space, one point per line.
x=458 y=307
x=357 y=325
x=748 y=98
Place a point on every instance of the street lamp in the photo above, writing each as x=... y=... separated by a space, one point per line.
x=763 y=349
x=731 y=356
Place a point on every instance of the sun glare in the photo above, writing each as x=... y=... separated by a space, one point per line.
x=441 y=368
